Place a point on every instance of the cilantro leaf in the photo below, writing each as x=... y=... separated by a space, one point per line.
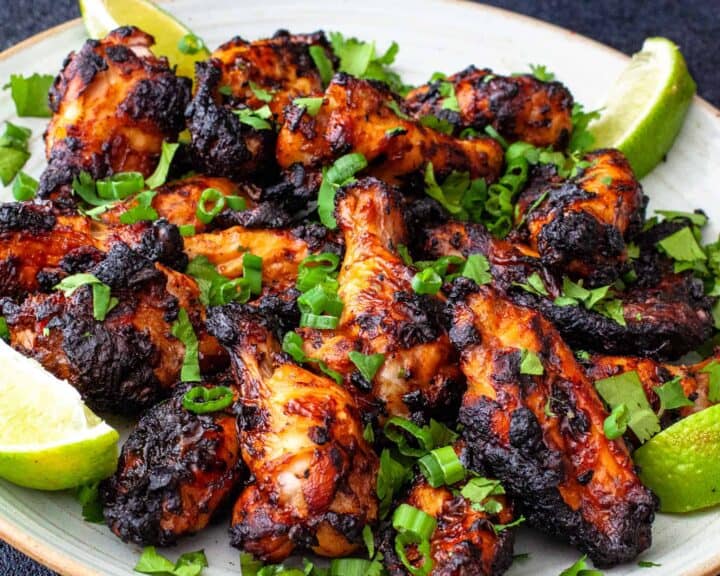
x=712 y=369
x=541 y=72
x=530 y=363
x=627 y=389
x=581 y=139
x=672 y=395
x=88 y=495
x=580 y=569
x=534 y=285
x=30 y=94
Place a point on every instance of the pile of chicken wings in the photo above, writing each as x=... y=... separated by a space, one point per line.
x=296 y=456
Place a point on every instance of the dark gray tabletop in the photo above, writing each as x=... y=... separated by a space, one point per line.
x=624 y=24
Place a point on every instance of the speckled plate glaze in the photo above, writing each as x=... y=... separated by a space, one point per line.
x=433 y=35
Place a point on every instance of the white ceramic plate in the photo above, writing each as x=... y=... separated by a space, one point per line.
x=433 y=35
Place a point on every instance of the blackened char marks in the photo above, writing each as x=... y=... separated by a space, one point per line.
x=26 y=217
x=125 y=268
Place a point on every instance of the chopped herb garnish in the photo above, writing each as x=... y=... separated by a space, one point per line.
x=712 y=369
x=216 y=289
x=495 y=135
x=395 y=131
x=580 y=568
x=581 y=139
x=143 y=209
x=88 y=495
x=530 y=363
x=258 y=119
x=449 y=101
x=188 y=564
x=597 y=299
x=477 y=268
x=367 y=364
x=310 y=105
x=682 y=246
x=534 y=285
x=103 y=303
x=392 y=474
x=167 y=154
x=458 y=194
x=30 y=94
x=322 y=62
x=479 y=491
x=427 y=281
x=541 y=72
x=647 y=564
x=260 y=93
x=616 y=423
x=627 y=389
x=342 y=172
x=24 y=187
x=672 y=395
x=13 y=151
x=183 y=330
x=696 y=218
x=293 y=345
x=438 y=124
x=4 y=330
x=395 y=107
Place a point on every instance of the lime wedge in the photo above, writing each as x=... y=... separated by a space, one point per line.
x=646 y=106
x=682 y=463
x=102 y=16
x=49 y=439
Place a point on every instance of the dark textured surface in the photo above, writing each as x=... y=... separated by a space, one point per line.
x=694 y=24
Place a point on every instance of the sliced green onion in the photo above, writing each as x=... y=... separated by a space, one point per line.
x=201 y=400
x=320 y=300
x=616 y=423
x=315 y=269
x=342 y=172
x=318 y=321
x=252 y=272
x=237 y=290
x=236 y=203
x=187 y=230
x=426 y=282
x=183 y=330
x=216 y=199
x=190 y=44
x=414 y=527
x=24 y=187
x=349 y=567
x=400 y=431
x=367 y=364
x=442 y=467
x=120 y=186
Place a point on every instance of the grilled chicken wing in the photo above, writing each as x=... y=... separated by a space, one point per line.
x=39 y=245
x=358 y=116
x=223 y=145
x=666 y=314
x=695 y=381
x=113 y=104
x=302 y=440
x=580 y=225
x=518 y=107
x=176 y=470
x=464 y=542
x=129 y=360
x=383 y=315
x=542 y=436
x=280 y=65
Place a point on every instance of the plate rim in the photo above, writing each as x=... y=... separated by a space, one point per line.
x=44 y=552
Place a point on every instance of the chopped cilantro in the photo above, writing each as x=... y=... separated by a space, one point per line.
x=682 y=246
x=541 y=72
x=30 y=94
x=257 y=119
x=449 y=101
x=437 y=124
x=310 y=105
x=712 y=369
x=458 y=194
x=13 y=151
x=534 y=285
x=260 y=93
x=672 y=395
x=627 y=389
x=367 y=364
x=580 y=568
x=88 y=495
x=395 y=107
x=188 y=564
x=530 y=363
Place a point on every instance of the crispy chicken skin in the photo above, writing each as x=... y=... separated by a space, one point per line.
x=313 y=473
x=666 y=314
x=113 y=104
x=175 y=471
x=281 y=65
x=39 y=245
x=518 y=107
x=355 y=117
x=383 y=315
x=581 y=225
x=464 y=542
x=542 y=436
x=694 y=382
x=131 y=359
x=221 y=144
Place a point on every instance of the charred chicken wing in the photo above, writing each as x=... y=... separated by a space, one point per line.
x=361 y=116
x=383 y=315
x=129 y=360
x=542 y=435
x=313 y=473
x=518 y=107
x=113 y=104
x=175 y=471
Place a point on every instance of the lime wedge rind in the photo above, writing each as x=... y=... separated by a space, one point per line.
x=49 y=439
x=647 y=105
x=682 y=463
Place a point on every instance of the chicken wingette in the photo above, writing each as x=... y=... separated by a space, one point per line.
x=537 y=426
x=313 y=474
x=113 y=104
x=175 y=471
x=383 y=315
x=465 y=541
x=520 y=108
x=665 y=314
x=580 y=226
x=39 y=245
x=130 y=359
x=366 y=117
